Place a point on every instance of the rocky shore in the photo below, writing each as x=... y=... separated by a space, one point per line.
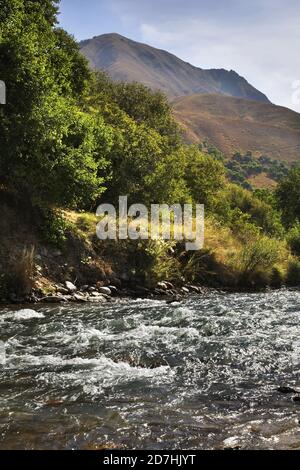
x=99 y=293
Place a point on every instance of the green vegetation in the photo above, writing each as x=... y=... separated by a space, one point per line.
x=288 y=196
x=242 y=167
x=71 y=139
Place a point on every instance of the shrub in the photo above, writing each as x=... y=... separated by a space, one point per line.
x=53 y=226
x=293 y=273
x=257 y=261
x=159 y=262
x=234 y=200
x=293 y=239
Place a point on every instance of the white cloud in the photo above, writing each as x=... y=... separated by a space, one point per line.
x=266 y=52
x=259 y=39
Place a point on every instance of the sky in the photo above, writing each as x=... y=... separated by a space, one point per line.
x=259 y=39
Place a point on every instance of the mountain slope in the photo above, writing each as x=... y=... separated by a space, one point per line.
x=128 y=60
x=234 y=124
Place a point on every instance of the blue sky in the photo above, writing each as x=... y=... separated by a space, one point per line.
x=259 y=39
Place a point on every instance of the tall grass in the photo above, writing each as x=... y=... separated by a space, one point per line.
x=21 y=272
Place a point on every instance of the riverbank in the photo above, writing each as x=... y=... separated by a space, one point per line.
x=68 y=292
x=75 y=266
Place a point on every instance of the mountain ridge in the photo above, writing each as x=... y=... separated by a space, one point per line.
x=215 y=105
x=128 y=60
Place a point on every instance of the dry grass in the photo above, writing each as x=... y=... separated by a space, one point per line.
x=22 y=272
x=262 y=181
x=233 y=124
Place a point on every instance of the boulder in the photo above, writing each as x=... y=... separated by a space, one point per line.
x=185 y=290
x=113 y=290
x=70 y=286
x=286 y=390
x=79 y=298
x=195 y=289
x=62 y=290
x=169 y=285
x=162 y=285
x=84 y=288
x=104 y=290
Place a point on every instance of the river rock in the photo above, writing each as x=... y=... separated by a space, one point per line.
x=79 y=297
x=162 y=285
x=53 y=299
x=104 y=290
x=185 y=290
x=84 y=288
x=232 y=443
x=70 y=286
x=169 y=285
x=195 y=289
x=62 y=290
x=113 y=290
x=286 y=390
x=94 y=294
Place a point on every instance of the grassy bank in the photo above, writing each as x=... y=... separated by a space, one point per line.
x=33 y=263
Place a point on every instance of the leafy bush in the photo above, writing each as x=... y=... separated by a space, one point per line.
x=204 y=175
x=293 y=273
x=293 y=239
x=288 y=197
x=235 y=202
x=257 y=260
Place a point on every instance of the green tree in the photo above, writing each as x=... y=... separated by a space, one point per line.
x=288 y=197
x=47 y=143
x=204 y=175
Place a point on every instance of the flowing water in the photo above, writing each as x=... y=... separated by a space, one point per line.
x=199 y=374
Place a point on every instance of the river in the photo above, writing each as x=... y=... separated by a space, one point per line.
x=198 y=374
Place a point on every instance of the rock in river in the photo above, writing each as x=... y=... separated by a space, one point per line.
x=286 y=390
x=70 y=286
x=104 y=290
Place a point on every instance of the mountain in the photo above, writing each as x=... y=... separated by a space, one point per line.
x=233 y=124
x=127 y=60
x=214 y=105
